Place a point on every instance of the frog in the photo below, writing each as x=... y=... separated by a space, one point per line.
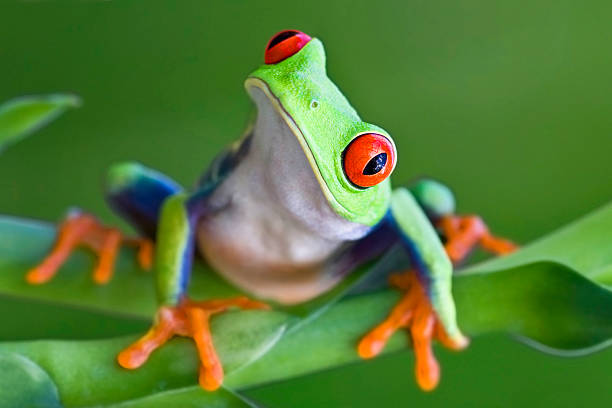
x=286 y=213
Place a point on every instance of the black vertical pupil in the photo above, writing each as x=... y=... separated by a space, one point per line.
x=376 y=164
x=281 y=37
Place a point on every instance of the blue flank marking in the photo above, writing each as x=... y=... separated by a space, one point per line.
x=379 y=239
x=140 y=202
x=187 y=262
x=149 y=195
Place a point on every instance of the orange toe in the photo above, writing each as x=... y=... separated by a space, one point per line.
x=145 y=254
x=498 y=245
x=374 y=342
x=464 y=233
x=189 y=319
x=39 y=275
x=211 y=371
x=70 y=233
x=138 y=353
x=414 y=313
x=109 y=248
x=82 y=229
x=211 y=378
x=145 y=251
x=427 y=370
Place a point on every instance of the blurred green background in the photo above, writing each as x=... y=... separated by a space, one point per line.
x=508 y=102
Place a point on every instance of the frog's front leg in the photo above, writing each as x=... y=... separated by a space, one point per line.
x=177 y=314
x=426 y=308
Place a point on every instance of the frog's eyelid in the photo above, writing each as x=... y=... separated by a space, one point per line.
x=285 y=44
x=280 y=37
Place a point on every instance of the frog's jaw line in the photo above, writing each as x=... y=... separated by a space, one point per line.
x=297 y=132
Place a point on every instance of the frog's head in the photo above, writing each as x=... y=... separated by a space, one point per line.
x=351 y=159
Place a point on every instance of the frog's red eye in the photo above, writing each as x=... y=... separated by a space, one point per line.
x=284 y=44
x=369 y=159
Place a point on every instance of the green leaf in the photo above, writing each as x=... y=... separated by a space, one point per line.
x=24 y=115
x=331 y=339
x=583 y=246
x=25 y=384
x=548 y=303
x=545 y=298
x=24 y=243
x=24 y=319
x=188 y=397
x=86 y=372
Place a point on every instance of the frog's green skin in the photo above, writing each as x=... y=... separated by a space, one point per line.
x=275 y=214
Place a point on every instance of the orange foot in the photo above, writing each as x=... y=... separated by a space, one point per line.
x=414 y=313
x=463 y=233
x=189 y=319
x=83 y=229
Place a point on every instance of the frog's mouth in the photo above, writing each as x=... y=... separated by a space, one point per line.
x=251 y=83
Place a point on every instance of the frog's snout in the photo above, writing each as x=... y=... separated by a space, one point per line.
x=284 y=44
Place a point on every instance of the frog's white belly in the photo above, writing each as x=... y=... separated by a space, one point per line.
x=256 y=249
x=272 y=228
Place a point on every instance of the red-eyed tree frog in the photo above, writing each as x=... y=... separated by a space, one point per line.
x=285 y=214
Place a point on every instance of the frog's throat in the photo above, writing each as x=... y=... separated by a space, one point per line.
x=252 y=82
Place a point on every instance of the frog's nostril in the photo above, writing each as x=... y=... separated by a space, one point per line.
x=285 y=44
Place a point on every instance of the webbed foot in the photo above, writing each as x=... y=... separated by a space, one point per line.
x=463 y=233
x=189 y=319
x=414 y=313
x=84 y=229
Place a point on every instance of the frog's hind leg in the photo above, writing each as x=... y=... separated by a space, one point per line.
x=136 y=193
x=461 y=233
